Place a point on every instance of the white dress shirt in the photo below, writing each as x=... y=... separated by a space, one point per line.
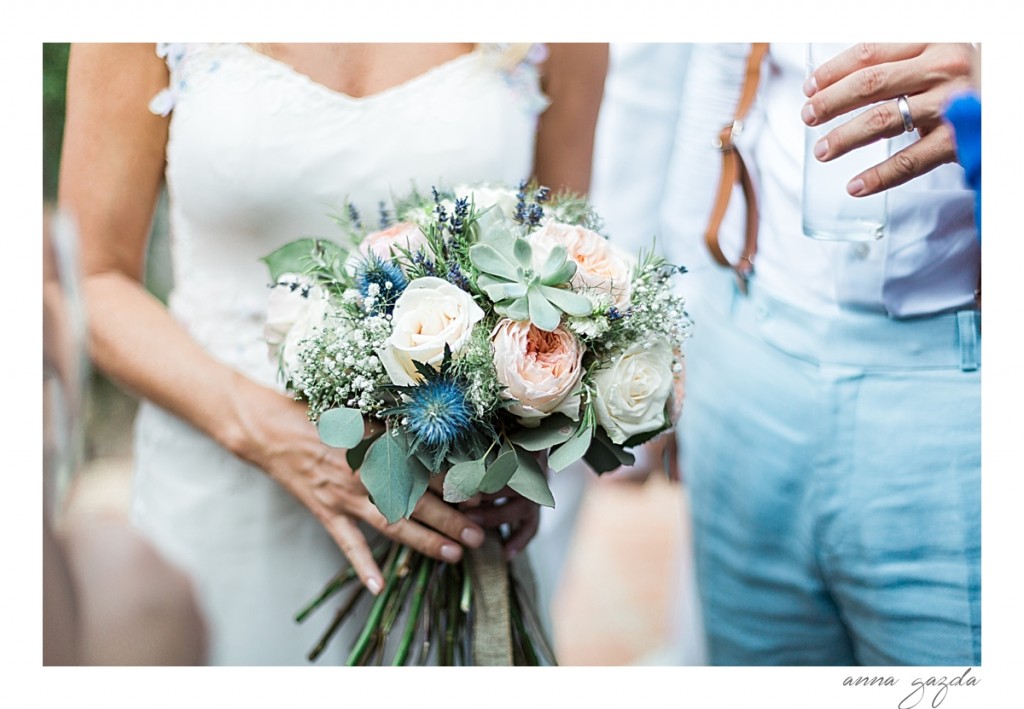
x=928 y=260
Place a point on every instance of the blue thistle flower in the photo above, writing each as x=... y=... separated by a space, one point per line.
x=437 y=412
x=382 y=280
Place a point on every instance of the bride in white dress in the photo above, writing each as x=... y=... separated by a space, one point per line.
x=259 y=144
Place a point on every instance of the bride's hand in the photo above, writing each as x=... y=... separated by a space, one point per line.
x=281 y=440
x=506 y=507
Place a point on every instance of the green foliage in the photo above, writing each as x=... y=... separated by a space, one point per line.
x=55 y=70
x=394 y=479
x=341 y=427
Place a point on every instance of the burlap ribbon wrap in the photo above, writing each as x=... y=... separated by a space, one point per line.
x=492 y=580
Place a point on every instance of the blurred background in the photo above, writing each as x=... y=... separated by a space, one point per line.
x=617 y=602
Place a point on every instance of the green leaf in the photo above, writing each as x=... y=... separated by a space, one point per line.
x=552 y=431
x=569 y=302
x=462 y=480
x=604 y=455
x=355 y=456
x=293 y=257
x=499 y=472
x=341 y=427
x=487 y=259
x=542 y=313
x=420 y=480
x=572 y=450
x=530 y=482
x=388 y=476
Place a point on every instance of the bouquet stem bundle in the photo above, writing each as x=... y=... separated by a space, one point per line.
x=429 y=613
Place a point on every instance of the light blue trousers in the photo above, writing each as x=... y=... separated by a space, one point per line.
x=834 y=467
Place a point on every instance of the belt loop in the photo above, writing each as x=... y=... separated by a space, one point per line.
x=968 y=329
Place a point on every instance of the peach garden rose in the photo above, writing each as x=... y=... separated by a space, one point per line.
x=601 y=266
x=540 y=370
x=387 y=242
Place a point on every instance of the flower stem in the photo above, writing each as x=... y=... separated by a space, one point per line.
x=373 y=621
x=339 y=617
x=333 y=586
x=414 y=613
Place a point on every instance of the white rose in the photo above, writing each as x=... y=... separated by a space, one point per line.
x=600 y=265
x=430 y=314
x=503 y=200
x=295 y=311
x=540 y=370
x=633 y=391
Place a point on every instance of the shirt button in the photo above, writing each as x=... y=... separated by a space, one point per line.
x=861 y=251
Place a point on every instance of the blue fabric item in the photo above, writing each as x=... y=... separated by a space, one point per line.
x=964 y=113
x=834 y=468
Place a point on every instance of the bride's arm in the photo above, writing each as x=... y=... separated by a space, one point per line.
x=111 y=172
x=573 y=78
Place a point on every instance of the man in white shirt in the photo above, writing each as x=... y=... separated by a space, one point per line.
x=831 y=430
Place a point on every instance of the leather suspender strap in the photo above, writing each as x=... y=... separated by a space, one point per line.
x=733 y=171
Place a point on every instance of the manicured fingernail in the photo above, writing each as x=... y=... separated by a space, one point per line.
x=807 y=113
x=374 y=586
x=450 y=552
x=820 y=148
x=472 y=536
x=855 y=187
x=810 y=86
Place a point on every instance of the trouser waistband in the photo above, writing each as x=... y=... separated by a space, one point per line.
x=846 y=337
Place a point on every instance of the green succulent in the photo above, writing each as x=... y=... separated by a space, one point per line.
x=521 y=293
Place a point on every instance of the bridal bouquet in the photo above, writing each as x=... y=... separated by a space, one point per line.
x=473 y=331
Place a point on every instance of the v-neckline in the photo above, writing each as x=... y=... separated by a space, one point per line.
x=288 y=69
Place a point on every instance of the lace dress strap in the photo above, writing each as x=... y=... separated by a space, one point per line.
x=520 y=64
x=175 y=54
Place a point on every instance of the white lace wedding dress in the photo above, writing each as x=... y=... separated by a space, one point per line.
x=259 y=155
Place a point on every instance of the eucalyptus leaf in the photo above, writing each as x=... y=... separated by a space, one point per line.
x=355 y=456
x=499 y=472
x=619 y=451
x=572 y=450
x=462 y=481
x=604 y=456
x=552 y=431
x=293 y=257
x=341 y=427
x=420 y=480
x=388 y=476
x=530 y=481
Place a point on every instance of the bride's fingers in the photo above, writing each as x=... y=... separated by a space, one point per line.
x=353 y=545
x=521 y=535
x=433 y=512
x=413 y=534
x=515 y=510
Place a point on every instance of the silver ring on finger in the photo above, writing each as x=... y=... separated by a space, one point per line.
x=904 y=108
